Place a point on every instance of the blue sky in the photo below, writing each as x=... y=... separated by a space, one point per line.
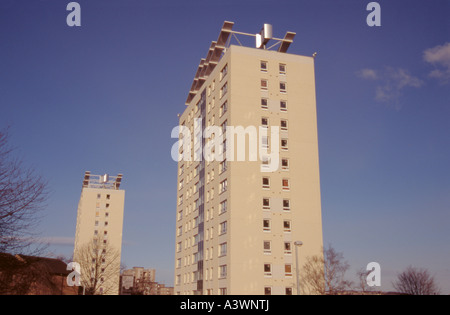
x=105 y=96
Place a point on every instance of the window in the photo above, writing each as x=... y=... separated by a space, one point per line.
x=267 y=247
x=264 y=84
x=196 y=187
x=282 y=68
x=223 y=186
x=263 y=66
x=180 y=200
x=284 y=164
x=265 y=122
x=266 y=182
x=196 y=220
x=194 y=261
x=223 y=291
x=268 y=270
x=267 y=291
x=288 y=291
x=224 y=127
x=108 y=197
x=223 y=271
x=283 y=106
x=223 y=108
x=197 y=106
x=224 y=146
x=284 y=144
x=265 y=160
x=181 y=170
x=264 y=103
x=265 y=145
x=223 y=72
x=223 y=228
x=223 y=166
x=286 y=205
x=285 y=184
x=223 y=207
x=196 y=171
x=287 y=225
x=222 y=249
x=266 y=203
x=288 y=270
x=99 y=196
x=180 y=230
x=283 y=87
x=197 y=203
x=284 y=124
x=266 y=225
x=287 y=248
x=224 y=90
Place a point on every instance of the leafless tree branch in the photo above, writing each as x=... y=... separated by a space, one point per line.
x=325 y=274
x=22 y=197
x=415 y=281
x=100 y=265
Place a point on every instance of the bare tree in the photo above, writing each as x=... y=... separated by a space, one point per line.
x=415 y=281
x=313 y=275
x=335 y=269
x=100 y=267
x=362 y=275
x=324 y=274
x=22 y=197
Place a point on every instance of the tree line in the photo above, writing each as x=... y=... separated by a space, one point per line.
x=325 y=274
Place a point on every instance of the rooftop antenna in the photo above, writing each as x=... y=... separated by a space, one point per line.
x=264 y=36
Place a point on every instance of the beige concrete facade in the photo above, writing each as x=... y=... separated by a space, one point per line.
x=99 y=224
x=236 y=225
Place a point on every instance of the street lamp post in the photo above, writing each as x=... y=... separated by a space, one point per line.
x=297 y=244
